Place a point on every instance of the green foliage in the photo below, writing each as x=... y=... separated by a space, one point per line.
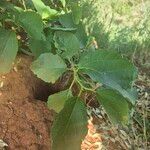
x=57 y=100
x=8 y=49
x=32 y=23
x=115 y=105
x=71 y=124
x=110 y=69
x=63 y=2
x=45 y=11
x=57 y=36
x=76 y=12
x=49 y=67
x=66 y=20
x=66 y=43
x=40 y=46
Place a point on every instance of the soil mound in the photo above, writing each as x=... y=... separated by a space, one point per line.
x=25 y=122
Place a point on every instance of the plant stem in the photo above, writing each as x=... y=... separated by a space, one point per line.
x=80 y=92
x=24 y=5
x=74 y=79
x=83 y=87
x=26 y=52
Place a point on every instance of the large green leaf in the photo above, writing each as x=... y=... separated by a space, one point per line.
x=115 y=105
x=76 y=12
x=31 y=23
x=66 y=43
x=57 y=100
x=70 y=126
x=111 y=69
x=45 y=11
x=41 y=46
x=48 y=67
x=38 y=47
x=67 y=21
x=8 y=49
x=81 y=35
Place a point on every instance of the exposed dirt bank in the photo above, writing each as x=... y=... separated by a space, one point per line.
x=25 y=122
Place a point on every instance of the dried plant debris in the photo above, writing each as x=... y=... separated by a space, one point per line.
x=137 y=136
x=93 y=139
x=2 y=145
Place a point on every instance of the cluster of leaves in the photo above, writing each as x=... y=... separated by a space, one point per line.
x=56 y=37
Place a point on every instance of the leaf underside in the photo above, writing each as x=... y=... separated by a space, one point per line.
x=115 y=105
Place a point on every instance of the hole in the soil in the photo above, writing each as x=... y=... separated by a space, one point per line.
x=43 y=90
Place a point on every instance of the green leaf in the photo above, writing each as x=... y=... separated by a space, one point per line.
x=66 y=43
x=81 y=35
x=8 y=49
x=70 y=126
x=115 y=105
x=32 y=24
x=76 y=12
x=111 y=69
x=48 y=67
x=57 y=100
x=67 y=21
x=45 y=11
x=38 y=47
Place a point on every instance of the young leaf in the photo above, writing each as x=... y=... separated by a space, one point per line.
x=76 y=12
x=48 y=67
x=109 y=68
x=70 y=126
x=8 y=49
x=57 y=100
x=115 y=105
x=45 y=11
x=66 y=43
x=31 y=23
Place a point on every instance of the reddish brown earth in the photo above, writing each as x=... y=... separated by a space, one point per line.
x=25 y=122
